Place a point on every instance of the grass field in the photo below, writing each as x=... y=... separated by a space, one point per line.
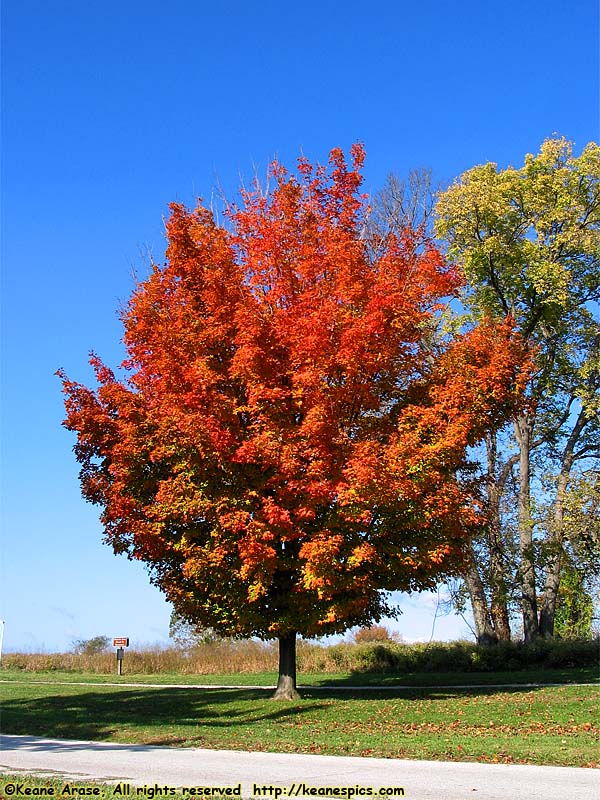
x=545 y=725
x=341 y=679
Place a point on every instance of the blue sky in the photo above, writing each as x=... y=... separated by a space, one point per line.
x=112 y=110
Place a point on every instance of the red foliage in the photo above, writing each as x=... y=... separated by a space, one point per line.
x=286 y=444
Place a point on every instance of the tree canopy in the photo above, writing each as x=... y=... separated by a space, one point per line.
x=528 y=239
x=288 y=437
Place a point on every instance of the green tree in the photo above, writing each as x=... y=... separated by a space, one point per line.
x=574 y=605
x=579 y=577
x=529 y=242
x=91 y=647
x=582 y=519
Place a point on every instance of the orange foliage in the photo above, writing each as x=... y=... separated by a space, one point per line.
x=286 y=444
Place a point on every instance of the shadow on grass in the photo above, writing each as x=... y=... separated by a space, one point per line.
x=98 y=715
x=460 y=680
x=188 y=717
x=412 y=693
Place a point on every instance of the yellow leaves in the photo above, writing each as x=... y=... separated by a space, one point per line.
x=551 y=279
x=527 y=230
x=331 y=616
x=256 y=591
x=319 y=555
x=365 y=553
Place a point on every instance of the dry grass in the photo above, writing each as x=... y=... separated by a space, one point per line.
x=215 y=658
x=205 y=659
x=250 y=657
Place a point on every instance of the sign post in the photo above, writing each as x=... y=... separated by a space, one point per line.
x=120 y=643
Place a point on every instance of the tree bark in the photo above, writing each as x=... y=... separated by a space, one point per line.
x=527 y=571
x=484 y=630
x=286 y=685
x=498 y=592
x=499 y=604
x=492 y=623
x=548 y=603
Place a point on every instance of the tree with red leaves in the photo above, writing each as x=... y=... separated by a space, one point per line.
x=289 y=440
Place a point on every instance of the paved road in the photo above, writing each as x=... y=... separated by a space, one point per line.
x=165 y=766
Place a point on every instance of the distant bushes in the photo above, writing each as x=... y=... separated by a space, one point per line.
x=91 y=647
x=375 y=633
x=451 y=657
x=248 y=657
x=458 y=656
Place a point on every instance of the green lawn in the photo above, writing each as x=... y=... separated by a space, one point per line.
x=549 y=725
x=342 y=679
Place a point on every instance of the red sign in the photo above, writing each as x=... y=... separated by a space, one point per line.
x=122 y=642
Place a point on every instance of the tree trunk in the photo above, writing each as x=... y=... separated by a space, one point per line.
x=499 y=604
x=496 y=483
x=548 y=603
x=484 y=630
x=527 y=571
x=492 y=622
x=548 y=609
x=286 y=685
